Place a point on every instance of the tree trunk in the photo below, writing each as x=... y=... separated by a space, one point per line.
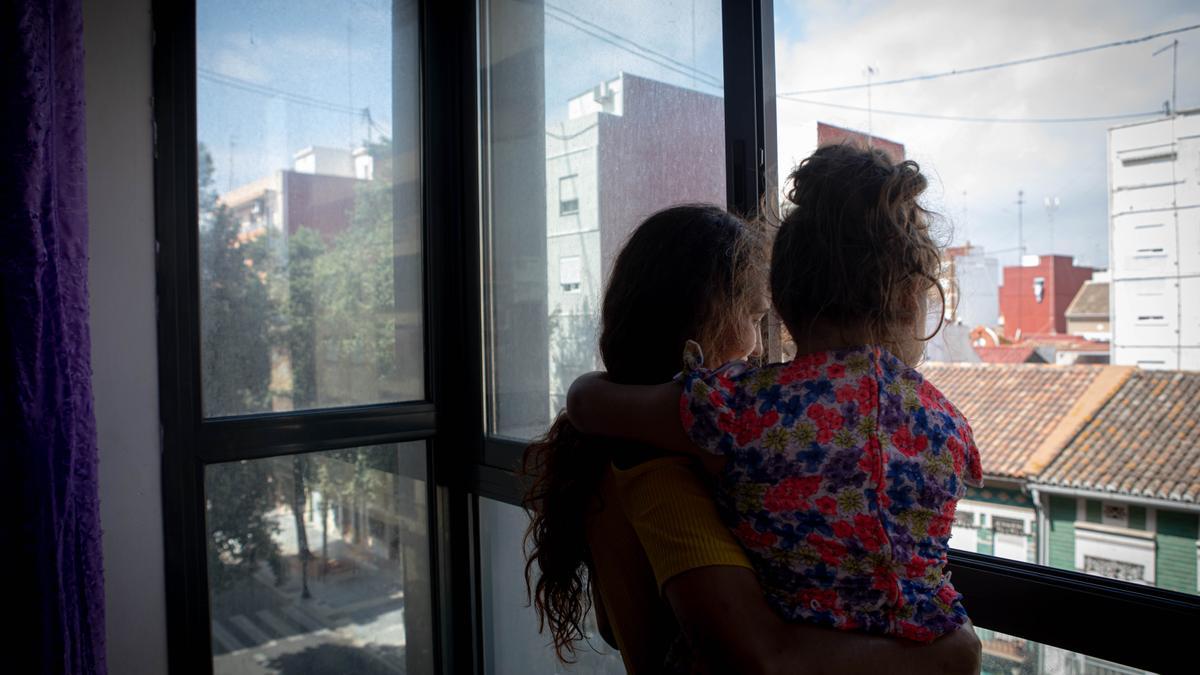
x=324 y=535
x=298 y=495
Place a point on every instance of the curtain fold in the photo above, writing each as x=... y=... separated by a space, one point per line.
x=49 y=508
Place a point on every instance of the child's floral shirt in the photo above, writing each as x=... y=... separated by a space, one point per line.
x=843 y=472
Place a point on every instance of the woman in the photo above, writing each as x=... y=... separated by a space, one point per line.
x=688 y=272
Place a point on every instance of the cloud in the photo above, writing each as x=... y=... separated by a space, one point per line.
x=990 y=162
x=235 y=63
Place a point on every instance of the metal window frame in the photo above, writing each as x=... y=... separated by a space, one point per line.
x=1134 y=625
x=452 y=439
x=1126 y=623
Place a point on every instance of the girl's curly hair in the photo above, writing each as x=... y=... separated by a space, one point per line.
x=687 y=272
x=854 y=246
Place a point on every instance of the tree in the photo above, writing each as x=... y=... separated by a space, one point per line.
x=240 y=535
x=235 y=310
x=235 y=374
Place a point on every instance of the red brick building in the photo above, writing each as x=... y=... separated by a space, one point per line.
x=1034 y=298
x=828 y=134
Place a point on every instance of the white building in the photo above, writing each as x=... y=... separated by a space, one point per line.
x=970 y=280
x=628 y=147
x=1154 y=242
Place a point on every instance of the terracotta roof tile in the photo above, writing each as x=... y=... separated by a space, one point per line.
x=1145 y=441
x=1009 y=354
x=1015 y=408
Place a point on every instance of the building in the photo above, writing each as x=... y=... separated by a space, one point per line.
x=1088 y=314
x=617 y=158
x=1154 y=242
x=1102 y=476
x=1052 y=402
x=1035 y=295
x=325 y=191
x=952 y=344
x=969 y=280
x=1122 y=498
x=828 y=134
x=317 y=192
x=1022 y=353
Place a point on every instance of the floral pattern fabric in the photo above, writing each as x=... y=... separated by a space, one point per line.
x=843 y=472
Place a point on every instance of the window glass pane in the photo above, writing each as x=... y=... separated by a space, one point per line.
x=309 y=224
x=319 y=563
x=511 y=640
x=1005 y=654
x=1065 y=183
x=598 y=115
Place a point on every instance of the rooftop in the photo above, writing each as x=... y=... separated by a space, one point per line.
x=1090 y=301
x=1009 y=354
x=1144 y=441
x=1023 y=414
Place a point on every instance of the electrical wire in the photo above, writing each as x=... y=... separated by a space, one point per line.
x=992 y=120
x=638 y=50
x=992 y=66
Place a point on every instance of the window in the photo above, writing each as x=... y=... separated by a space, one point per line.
x=1122 y=224
x=511 y=640
x=349 y=374
x=568 y=198
x=1008 y=526
x=321 y=557
x=309 y=210
x=295 y=423
x=635 y=126
x=1116 y=515
x=570 y=273
x=1114 y=569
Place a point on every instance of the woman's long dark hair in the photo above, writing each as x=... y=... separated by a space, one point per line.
x=687 y=273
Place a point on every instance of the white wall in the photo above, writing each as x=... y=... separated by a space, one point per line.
x=124 y=354
x=979 y=290
x=1154 y=232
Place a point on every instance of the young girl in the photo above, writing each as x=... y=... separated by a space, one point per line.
x=843 y=466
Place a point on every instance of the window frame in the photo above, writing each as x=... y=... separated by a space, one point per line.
x=190 y=441
x=463 y=462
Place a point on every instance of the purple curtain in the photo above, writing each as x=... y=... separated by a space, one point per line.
x=52 y=591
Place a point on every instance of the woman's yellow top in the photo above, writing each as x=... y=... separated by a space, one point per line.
x=652 y=522
x=671 y=508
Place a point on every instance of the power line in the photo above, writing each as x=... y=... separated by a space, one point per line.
x=566 y=137
x=695 y=72
x=265 y=90
x=994 y=66
x=637 y=49
x=995 y=120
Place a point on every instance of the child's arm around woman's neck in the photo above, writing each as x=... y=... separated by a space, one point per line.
x=643 y=413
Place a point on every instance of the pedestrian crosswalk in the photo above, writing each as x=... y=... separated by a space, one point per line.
x=264 y=627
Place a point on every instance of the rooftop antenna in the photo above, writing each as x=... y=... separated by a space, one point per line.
x=1020 y=265
x=871 y=70
x=964 y=221
x=694 y=69
x=1021 y=225
x=1174 y=47
x=350 y=78
x=1051 y=204
x=229 y=178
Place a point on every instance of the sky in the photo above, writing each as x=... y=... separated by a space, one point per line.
x=311 y=67
x=976 y=169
